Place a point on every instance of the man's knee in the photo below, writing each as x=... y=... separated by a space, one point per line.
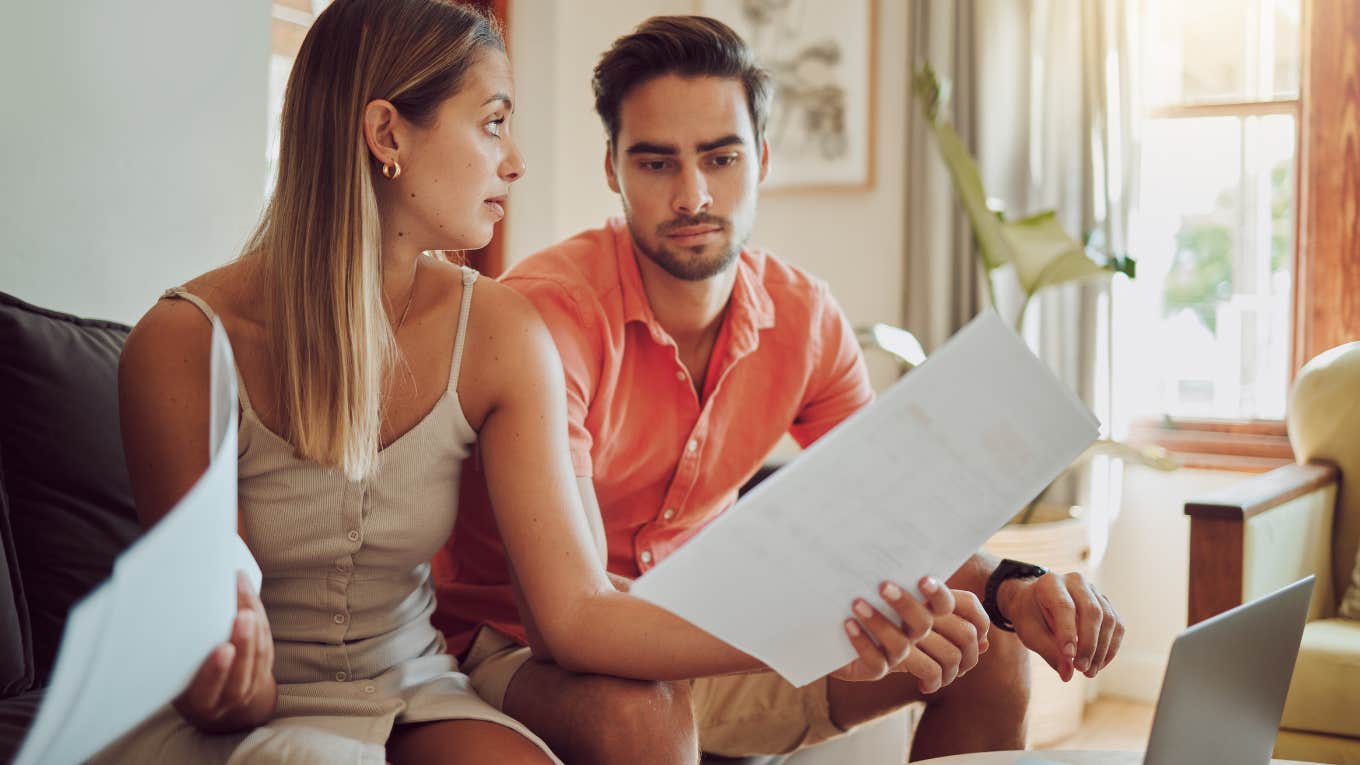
x=646 y=722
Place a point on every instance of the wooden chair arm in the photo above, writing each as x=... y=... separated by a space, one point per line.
x=1217 y=528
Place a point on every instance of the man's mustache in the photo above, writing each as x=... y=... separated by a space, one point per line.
x=693 y=220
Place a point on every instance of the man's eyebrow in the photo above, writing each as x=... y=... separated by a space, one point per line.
x=643 y=147
x=501 y=97
x=727 y=140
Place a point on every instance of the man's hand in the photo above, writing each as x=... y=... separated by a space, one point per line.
x=234 y=688
x=1062 y=618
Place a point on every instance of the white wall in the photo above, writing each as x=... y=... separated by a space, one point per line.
x=1146 y=572
x=133 y=147
x=852 y=239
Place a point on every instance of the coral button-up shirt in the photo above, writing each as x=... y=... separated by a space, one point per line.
x=665 y=460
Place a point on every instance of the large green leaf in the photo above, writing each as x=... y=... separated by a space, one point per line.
x=1044 y=254
x=963 y=173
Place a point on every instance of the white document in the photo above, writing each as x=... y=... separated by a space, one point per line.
x=135 y=642
x=909 y=486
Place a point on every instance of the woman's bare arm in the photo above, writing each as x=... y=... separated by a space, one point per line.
x=164 y=412
x=583 y=621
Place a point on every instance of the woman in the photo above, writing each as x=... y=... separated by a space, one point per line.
x=366 y=370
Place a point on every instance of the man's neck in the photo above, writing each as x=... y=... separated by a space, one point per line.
x=690 y=311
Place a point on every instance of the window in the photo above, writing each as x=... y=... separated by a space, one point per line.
x=289 y=22
x=1204 y=331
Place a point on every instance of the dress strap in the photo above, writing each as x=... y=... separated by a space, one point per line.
x=202 y=305
x=469 y=277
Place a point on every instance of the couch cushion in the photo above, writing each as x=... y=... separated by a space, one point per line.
x=1325 y=692
x=16 y=642
x=70 y=504
x=1324 y=416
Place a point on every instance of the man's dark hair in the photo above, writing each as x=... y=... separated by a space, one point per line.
x=689 y=46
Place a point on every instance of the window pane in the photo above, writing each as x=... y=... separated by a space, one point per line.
x=1196 y=50
x=1286 y=40
x=1204 y=329
x=1209 y=51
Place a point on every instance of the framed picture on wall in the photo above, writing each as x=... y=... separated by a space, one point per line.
x=820 y=55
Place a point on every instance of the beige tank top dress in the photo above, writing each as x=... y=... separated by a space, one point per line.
x=348 y=594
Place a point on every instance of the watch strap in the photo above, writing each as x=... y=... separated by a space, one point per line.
x=1005 y=570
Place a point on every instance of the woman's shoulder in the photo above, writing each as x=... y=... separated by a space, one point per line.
x=491 y=302
x=179 y=329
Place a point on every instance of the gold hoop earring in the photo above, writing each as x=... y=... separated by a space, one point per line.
x=391 y=171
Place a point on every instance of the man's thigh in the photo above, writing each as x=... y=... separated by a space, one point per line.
x=760 y=713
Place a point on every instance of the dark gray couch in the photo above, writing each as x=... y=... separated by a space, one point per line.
x=66 y=508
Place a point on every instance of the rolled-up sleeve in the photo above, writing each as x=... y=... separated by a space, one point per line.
x=839 y=385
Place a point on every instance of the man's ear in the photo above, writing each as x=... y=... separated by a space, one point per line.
x=764 y=159
x=380 y=131
x=609 y=173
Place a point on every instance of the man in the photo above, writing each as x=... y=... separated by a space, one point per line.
x=686 y=358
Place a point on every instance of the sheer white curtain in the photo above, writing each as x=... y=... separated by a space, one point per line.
x=942 y=287
x=1042 y=91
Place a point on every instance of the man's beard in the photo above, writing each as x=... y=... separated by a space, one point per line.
x=694 y=267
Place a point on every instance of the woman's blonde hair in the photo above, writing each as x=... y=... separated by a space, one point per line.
x=319 y=241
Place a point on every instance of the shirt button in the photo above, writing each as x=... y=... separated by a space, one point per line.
x=680 y=376
x=669 y=514
x=692 y=446
x=646 y=556
x=339 y=618
x=353 y=535
x=369 y=689
x=340 y=677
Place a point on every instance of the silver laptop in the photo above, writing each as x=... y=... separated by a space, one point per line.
x=1225 y=684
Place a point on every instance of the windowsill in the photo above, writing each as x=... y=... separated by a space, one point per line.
x=1242 y=446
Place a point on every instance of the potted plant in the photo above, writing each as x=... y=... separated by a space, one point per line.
x=1052 y=530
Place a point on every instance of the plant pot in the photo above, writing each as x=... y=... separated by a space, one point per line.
x=1057 y=538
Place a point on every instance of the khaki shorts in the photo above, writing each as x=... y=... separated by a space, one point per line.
x=737 y=715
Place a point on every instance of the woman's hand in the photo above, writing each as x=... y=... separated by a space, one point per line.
x=938 y=642
x=234 y=688
x=882 y=645
x=953 y=647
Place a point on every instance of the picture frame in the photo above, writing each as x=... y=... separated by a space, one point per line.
x=821 y=58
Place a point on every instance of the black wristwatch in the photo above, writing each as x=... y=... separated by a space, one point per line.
x=1007 y=569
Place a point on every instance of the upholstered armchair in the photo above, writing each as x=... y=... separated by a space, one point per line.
x=1297 y=520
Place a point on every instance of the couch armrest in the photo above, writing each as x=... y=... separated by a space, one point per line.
x=1261 y=534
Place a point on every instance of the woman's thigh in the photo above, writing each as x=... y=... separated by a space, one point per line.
x=462 y=742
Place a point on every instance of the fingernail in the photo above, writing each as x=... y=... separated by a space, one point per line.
x=863 y=609
x=851 y=628
x=892 y=591
x=983 y=646
x=929 y=585
x=1070 y=650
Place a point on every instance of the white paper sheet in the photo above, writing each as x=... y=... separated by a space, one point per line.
x=135 y=642
x=911 y=485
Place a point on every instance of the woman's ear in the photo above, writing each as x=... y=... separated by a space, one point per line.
x=380 y=131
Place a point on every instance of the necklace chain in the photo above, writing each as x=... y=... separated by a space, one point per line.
x=409 y=295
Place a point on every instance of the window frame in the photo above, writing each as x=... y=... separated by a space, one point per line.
x=1240 y=445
